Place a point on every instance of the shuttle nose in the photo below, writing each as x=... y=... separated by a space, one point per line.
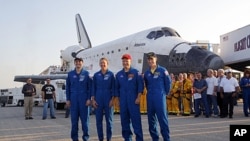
x=199 y=59
x=215 y=63
x=195 y=60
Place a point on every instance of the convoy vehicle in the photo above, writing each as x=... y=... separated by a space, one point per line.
x=11 y=97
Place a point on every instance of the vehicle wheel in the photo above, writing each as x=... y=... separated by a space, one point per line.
x=59 y=106
x=36 y=103
x=55 y=105
x=20 y=103
x=3 y=105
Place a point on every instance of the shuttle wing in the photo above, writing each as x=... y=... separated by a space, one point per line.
x=38 y=79
x=83 y=38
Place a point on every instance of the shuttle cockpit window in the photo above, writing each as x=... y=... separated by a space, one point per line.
x=151 y=35
x=167 y=33
x=162 y=33
x=159 y=34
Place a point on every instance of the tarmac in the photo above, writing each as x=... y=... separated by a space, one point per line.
x=13 y=126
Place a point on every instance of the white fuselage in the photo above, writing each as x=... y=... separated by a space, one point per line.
x=136 y=45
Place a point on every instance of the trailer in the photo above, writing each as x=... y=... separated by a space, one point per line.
x=11 y=97
x=234 y=48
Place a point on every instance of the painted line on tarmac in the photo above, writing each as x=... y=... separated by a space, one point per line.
x=31 y=136
x=216 y=122
x=38 y=127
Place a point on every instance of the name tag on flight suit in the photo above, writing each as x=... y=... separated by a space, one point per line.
x=106 y=77
x=156 y=74
x=130 y=77
x=81 y=77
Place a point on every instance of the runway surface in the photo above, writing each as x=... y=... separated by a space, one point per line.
x=13 y=126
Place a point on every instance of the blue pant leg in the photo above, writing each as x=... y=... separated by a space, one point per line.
x=249 y=101
x=134 y=110
x=74 y=120
x=204 y=101
x=245 y=102
x=210 y=104
x=45 y=107
x=152 y=120
x=215 y=105
x=99 y=118
x=197 y=106
x=161 y=113
x=84 y=115
x=51 y=106
x=125 y=121
x=109 y=113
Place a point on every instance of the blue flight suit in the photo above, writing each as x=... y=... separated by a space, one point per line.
x=199 y=84
x=128 y=85
x=78 y=88
x=158 y=85
x=103 y=89
x=246 y=94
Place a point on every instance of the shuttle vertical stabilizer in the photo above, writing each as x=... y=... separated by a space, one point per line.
x=83 y=38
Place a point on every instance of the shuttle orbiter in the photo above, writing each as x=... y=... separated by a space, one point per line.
x=174 y=53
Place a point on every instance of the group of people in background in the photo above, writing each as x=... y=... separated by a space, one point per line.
x=166 y=94
x=214 y=94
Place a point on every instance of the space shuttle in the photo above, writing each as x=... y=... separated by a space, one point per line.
x=173 y=52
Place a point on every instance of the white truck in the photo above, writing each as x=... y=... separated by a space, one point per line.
x=11 y=97
x=15 y=97
x=60 y=91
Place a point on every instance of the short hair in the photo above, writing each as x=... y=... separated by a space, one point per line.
x=78 y=59
x=221 y=70
x=210 y=70
x=247 y=71
x=151 y=55
x=105 y=59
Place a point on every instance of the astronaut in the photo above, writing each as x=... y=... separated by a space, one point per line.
x=103 y=90
x=158 y=84
x=129 y=87
x=78 y=89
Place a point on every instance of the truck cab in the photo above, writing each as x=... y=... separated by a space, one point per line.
x=11 y=97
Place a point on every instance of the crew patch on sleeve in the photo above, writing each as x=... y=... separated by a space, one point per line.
x=166 y=72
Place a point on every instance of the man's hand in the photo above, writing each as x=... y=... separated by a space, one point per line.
x=234 y=94
x=221 y=95
x=137 y=101
x=199 y=91
x=88 y=102
x=94 y=104
x=67 y=104
x=111 y=103
x=214 y=94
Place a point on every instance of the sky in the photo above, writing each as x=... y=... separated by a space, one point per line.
x=33 y=32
